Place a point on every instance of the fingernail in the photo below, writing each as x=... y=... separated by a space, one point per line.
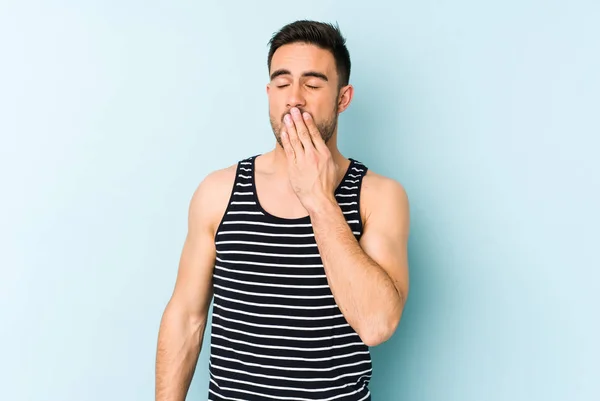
x=287 y=118
x=306 y=116
x=295 y=111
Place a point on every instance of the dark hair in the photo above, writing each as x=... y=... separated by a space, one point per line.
x=324 y=35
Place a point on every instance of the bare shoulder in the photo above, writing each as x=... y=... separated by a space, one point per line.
x=210 y=199
x=374 y=184
x=382 y=199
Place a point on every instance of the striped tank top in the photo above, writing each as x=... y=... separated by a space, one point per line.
x=277 y=332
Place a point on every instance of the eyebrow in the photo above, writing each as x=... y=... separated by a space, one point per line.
x=315 y=74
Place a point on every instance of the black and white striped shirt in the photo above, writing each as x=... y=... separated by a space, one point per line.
x=277 y=332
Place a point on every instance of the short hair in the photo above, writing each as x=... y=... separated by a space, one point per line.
x=324 y=35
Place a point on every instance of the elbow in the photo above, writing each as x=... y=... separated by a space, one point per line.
x=373 y=340
x=375 y=334
x=380 y=329
x=381 y=325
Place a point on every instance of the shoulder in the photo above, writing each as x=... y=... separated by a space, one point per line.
x=383 y=198
x=377 y=184
x=211 y=196
x=217 y=181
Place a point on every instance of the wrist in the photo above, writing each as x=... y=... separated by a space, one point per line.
x=322 y=204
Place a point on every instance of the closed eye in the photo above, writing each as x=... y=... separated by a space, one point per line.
x=309 y=86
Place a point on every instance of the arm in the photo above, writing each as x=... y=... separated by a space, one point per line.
x=369 y=280
x=184 y=319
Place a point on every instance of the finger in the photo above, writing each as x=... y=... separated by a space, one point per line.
x=293 y=135
x=302 y=130
x=287 y=146
x=315 y=134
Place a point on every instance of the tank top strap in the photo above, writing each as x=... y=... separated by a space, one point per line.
x=357 y=170
x=242 y=200
x=348 y=195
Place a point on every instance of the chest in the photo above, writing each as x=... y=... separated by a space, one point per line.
x=277 y=198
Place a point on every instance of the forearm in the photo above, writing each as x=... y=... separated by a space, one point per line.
x=364 y=292
x=179 y=344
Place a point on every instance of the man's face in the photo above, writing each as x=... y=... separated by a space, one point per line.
x=304 y=76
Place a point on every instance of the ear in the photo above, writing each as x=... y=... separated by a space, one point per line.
x=268 y=88
x=345 y=97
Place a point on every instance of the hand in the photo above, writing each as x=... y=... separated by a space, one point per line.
x=312 y=171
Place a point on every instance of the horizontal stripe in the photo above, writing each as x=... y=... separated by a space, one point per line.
x=274 y=255
x=258 y=384
x=288 y=358
x=238 y=232
x=280 y=327
x=254 y=283
x=284 y=337
x=224 y=232
x=259 y=294
x=220 y=396
x=244 y=262
x=263 y=366
x=261 y=223
x=312 y=318
x=308 y=349
x=238 y=301
x=294 y=378
x=252 y=273
x=313 y=245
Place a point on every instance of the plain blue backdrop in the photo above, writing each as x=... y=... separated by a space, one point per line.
x=112 y=112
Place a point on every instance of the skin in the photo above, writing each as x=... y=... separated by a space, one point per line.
x=369 y=279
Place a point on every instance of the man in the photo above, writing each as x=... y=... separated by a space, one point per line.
x=303 y=249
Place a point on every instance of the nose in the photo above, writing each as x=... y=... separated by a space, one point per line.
x=295 y=97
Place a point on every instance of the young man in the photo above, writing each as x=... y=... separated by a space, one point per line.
x=303 y=249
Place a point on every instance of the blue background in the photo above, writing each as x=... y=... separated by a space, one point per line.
x=112 y=112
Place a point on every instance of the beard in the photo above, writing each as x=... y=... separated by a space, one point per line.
x=326 y=127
